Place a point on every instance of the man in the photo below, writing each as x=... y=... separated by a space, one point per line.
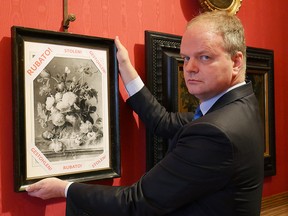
x=214 y=165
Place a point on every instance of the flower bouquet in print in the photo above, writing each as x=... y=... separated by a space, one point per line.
x=68 y=120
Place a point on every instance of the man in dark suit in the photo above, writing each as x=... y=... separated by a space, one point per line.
x=214 y=165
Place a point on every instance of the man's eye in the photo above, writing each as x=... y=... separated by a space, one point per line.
x=186 y=58
x=204 y=57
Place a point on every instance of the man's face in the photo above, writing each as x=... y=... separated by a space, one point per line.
x=208 y=68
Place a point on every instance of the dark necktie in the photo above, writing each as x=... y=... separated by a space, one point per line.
x=197 y=113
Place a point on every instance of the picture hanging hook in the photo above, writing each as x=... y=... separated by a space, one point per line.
x=67 y=17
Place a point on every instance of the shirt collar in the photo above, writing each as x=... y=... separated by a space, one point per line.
x=206 y=105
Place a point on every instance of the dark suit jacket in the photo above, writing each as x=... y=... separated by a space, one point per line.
x=214 y=165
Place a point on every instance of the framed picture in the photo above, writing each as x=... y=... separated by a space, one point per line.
x=65 y=94
x=260 y=70
x=165 y=81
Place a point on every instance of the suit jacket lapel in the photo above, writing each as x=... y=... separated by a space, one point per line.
x=232 y=95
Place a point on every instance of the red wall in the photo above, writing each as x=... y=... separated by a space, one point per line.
x=265 y=28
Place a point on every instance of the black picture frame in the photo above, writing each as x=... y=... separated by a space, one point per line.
x=65 y=106
x=260 y=70
x=163 y=63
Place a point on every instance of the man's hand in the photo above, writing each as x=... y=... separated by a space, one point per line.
x=48 y=188
x=127 y=71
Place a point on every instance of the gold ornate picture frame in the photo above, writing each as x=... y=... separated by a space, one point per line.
x=231 y=6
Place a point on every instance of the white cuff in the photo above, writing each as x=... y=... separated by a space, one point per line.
x=67 y=187
x=134 y=86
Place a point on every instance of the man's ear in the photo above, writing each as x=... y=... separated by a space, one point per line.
x=238 y=61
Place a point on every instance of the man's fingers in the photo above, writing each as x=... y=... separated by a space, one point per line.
x=117 y=42
x=34 y=187
x=31 y=188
